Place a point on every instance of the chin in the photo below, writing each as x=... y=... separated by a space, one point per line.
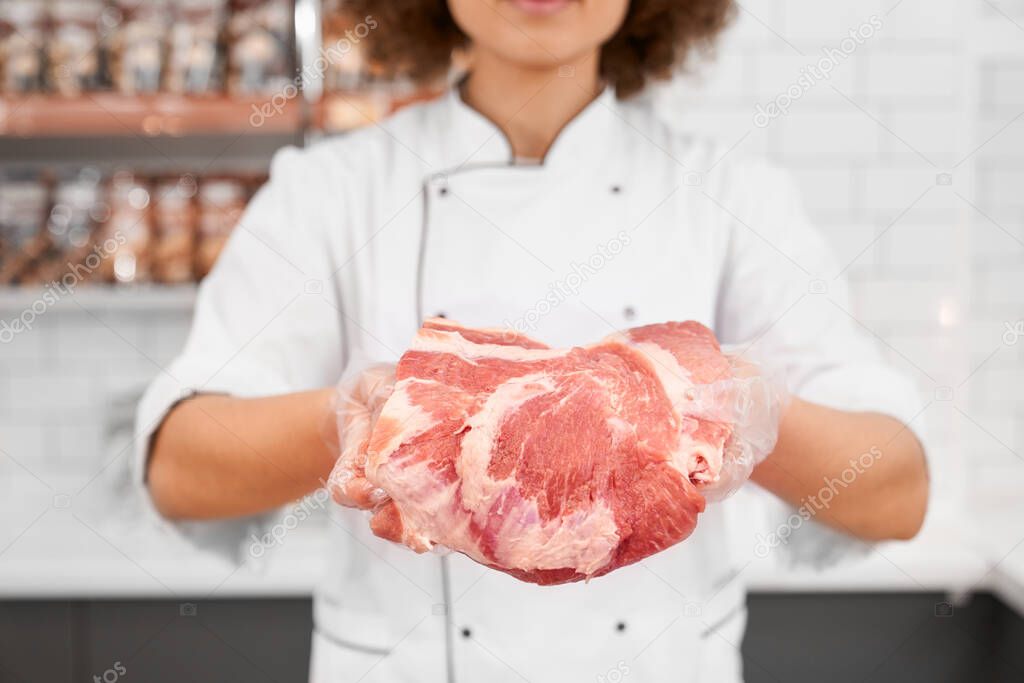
x=543 y=61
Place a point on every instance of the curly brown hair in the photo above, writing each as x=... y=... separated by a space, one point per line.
x=417 y=38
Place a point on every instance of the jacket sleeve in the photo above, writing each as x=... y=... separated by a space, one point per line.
x=784 y=300
x=266 y=322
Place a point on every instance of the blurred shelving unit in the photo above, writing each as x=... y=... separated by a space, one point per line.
x=161 y=135
x=113 y=115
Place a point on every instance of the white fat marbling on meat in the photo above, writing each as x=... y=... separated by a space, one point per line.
x=479 y=491
x=411 y=418
x=428 y=514
x=584 y=540
x=621 y=431
x=693 y=458
x=440 y=341
x=434 y=512
x=675 y=378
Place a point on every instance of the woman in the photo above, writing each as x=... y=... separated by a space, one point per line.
x=489 y=206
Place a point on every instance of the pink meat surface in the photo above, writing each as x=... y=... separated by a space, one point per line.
x=553 y=465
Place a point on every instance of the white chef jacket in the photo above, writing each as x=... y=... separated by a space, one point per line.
x=626 y=222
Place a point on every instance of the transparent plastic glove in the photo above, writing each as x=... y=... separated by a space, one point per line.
x=358 y=400
x=752 y=400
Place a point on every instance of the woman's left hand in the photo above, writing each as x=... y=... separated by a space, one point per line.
x=358 y=401
x=751 y=401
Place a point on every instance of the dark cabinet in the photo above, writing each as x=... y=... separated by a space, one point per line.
x=882 y=638
x=155 y=641
x=873 y=638
x=37 y=642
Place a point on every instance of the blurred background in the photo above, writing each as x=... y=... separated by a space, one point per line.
x=153 y=121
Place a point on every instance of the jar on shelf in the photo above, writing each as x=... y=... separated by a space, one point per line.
x=21 y=39
x=195 y=64
x=72 y=48
x=221 y=203
x=126 y=238
x=78 y=205
x=23 y=204
x=174 y=222
x=259 y=47
x=136 y=49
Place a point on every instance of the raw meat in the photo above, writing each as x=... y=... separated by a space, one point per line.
x=553 y=465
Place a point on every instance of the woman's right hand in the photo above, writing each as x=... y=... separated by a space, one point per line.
x=358 y=401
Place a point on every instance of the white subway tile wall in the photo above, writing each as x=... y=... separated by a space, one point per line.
x=910 y=155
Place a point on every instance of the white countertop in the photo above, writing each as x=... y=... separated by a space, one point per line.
x=63 y=556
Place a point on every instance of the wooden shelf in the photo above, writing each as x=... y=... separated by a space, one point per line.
x=109 y=114
x=114 y=115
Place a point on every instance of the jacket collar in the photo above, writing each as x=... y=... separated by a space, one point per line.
x=474 y=141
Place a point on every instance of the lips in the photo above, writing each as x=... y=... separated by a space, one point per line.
x=540 y=7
